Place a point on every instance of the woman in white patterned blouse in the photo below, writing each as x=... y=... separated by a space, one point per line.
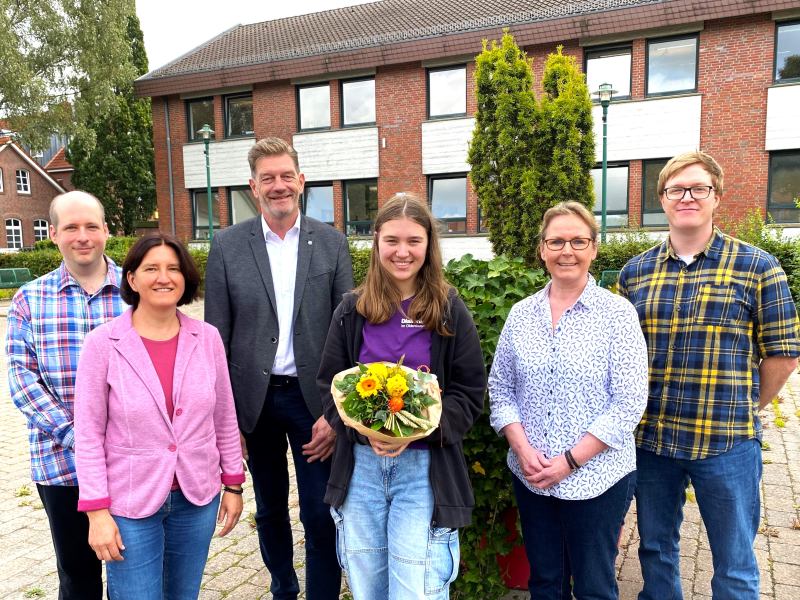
x=568 y=387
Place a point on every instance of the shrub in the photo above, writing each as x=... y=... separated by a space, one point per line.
x=489 y=289
x=619 y=249
x=360 y=258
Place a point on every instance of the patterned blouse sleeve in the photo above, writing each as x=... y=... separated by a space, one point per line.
x=628 y=382
x=502 y=387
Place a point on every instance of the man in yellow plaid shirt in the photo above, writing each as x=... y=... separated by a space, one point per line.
x=721 y=331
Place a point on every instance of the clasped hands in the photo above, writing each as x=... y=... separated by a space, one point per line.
x=542 y=472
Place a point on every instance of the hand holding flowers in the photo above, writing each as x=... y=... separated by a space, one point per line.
x=386 y=401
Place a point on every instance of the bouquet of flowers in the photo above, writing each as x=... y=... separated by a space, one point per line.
x=386 y=401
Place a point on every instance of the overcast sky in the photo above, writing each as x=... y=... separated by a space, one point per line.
x=173 y=27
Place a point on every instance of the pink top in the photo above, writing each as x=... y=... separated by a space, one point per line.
x=127 y=449
x=162 y=354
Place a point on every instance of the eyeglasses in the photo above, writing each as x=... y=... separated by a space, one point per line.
x=576 y=243
x=697 y=192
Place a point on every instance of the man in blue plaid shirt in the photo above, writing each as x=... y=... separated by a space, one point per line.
x=47 y=323
x=721 y=329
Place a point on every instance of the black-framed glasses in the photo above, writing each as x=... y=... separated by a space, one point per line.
x=576 y=243
x=697 y=192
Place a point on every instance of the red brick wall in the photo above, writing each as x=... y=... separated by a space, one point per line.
x=735 y=70
x=25 y=207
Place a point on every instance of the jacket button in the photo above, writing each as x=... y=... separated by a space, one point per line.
x=265 y=371
x=172 y=448
x=274 y=340
x=179 y=412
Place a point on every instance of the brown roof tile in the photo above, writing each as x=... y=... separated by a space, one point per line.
x=388 y=30
x=59 y=162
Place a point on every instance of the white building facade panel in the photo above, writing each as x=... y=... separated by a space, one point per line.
x=656 y=128
x=228 y=164
x=445 y=144
x=340 y=154
x=783 y=118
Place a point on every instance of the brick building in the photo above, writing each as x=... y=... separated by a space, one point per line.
x=26 y=190
x=379 y=98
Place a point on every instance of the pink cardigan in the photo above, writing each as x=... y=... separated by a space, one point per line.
x=126 y=448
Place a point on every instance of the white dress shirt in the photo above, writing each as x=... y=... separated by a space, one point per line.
x=283 y=265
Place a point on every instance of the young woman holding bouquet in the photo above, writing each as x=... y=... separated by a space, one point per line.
x=567 y=388
x=155 y=432
x=397 y=506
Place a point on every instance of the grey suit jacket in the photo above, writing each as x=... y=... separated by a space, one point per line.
x=240 y=302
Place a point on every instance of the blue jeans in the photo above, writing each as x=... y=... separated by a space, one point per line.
x=726 y=488
x=285 y=415
x=165 y=553
x=385 y=541
x=573 y=538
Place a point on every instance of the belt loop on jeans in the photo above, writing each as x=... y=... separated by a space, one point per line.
x=282 y=381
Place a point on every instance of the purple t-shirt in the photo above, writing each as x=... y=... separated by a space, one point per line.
x=398 y=336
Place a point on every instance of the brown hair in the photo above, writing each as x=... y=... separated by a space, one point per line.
x=139 y=250
x=687 y=159
x=271 y=146
x=378 y=296
x=563 y=209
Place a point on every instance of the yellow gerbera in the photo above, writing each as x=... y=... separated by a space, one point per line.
x=379 y=370
x=367 y=386
x=396 y=385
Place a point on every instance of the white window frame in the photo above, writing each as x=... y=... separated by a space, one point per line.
x=13 y=231
x=1 y=180
x=23 y=177
x=41 y=230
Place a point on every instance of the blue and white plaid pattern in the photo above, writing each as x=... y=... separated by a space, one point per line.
x=707 y=326
x=47 y=322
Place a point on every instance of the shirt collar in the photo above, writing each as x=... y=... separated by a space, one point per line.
x=712 y=250
x=65 y=278
x=587 y=299
x=267 y=231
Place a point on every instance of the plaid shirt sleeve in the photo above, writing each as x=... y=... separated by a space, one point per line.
x=28 y=391
x=775 y=317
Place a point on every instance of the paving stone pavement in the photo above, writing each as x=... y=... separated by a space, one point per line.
x=234 y=569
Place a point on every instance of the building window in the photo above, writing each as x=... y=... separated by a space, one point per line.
x=314 y=106
x=361 y=206
x=616 y=194
x=447 y=91
x=198 y=113
x=787 y=52
x=652 y=213
x=358 y=102
x=672 y=65
x=1 y=180
x=609 y=65
x=13 y=233
x=239 y=116
x=39 y=230
x=318 y=202
x=23 y=181
x=242 y=205
x=784 y=186
x=200 y=213
x=448 y=196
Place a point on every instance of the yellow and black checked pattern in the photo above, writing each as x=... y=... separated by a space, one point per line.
x=707 y=326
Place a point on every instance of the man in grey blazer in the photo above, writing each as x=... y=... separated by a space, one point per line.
x=272 y=284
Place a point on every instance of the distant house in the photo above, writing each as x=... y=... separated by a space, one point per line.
x=26 y=190
x=380 y=98
x=60 y=169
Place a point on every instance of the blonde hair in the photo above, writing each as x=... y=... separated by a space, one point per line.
x=563 y=209
x=271 y=146
x=687 y=159
x=379 y=298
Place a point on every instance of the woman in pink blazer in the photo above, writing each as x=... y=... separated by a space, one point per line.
x=156 y=432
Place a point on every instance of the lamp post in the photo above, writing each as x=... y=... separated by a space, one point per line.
x=604 y=94
x=206 y=132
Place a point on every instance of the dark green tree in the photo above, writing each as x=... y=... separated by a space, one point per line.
x=791 y=67
x=500 y=152
x=563 y=150
x=526 y=155
x=59 y=60
x=113 y=157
